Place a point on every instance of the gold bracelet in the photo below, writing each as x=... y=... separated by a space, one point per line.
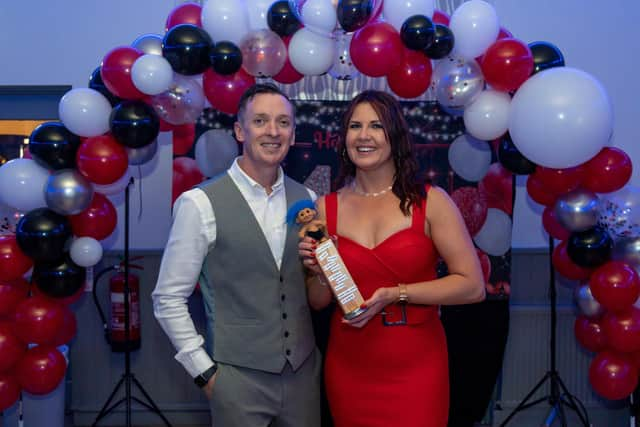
x=403 y=297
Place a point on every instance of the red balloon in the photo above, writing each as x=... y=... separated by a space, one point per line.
x=9 y=390
x=615 y=285
x=116 y=72
x=186 y=174
x=497 y=187
x=183 y=138
x=288 y=74
x=11 y=294
x=376 y=49
x=590 y=334
x=68 y=330
x=608 y=171
x=13 y=262
x=224 y=91
x=11 y=348
x=613 y=376
x=473 y=207
x=623 y=330
x=38 y=320
x=559 y=181
x=41 y=370
x=563 y=264
x=506 y=64
x=412 y=76
x=186 y=13
x=439 y=17
x=552 y=226
x=97 y=221
x=504 y=34
x=102 y=159
x=538 y=193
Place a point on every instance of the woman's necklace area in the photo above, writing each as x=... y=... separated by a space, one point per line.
x=373 y=194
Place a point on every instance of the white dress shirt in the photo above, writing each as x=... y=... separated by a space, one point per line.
x=193 y=232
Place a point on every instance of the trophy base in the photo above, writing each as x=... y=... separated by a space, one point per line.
x=355 y=313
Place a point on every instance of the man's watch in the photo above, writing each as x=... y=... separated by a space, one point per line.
x=202 y=379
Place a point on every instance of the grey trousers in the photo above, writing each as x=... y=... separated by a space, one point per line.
x=244 y=397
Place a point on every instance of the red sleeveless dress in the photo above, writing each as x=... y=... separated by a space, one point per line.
x=387 y=376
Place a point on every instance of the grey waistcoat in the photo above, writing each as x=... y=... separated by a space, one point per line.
x=260 y=314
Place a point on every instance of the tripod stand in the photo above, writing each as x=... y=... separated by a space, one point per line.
x=128 y=379
x=559 y=396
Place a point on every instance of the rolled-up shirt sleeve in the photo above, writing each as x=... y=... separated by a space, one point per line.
x=192 y=233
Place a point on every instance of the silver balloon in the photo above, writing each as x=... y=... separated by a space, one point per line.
x=586 y=303
x=68 y=192
x=627 y=249
x=182 y=103
x=620 y=212
x=149 y=43
x=457 y=82
x=140 y=156
x=343 y=68
x=578 y=210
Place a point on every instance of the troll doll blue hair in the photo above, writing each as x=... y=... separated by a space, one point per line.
x=292 y=213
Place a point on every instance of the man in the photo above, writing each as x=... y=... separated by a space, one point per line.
x=261 y=368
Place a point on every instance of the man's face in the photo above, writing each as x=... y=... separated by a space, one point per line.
x=305 y=215
x=266 y=129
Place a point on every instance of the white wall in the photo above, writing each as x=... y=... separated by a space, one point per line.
x=53 y=43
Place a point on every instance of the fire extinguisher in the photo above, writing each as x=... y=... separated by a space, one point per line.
x=114 y=329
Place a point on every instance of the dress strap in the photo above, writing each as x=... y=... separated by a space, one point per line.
x=331 y=211
x=420 y=212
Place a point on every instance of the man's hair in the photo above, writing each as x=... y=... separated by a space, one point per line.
x=257 y=89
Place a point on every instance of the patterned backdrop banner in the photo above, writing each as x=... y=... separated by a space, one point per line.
x=467 y=168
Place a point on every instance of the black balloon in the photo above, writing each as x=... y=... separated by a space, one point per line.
x=96 y=83
x=354 y=14
x=53 y=146
x=226 y=57
x=281 y=19
x=187 y=47
x=545 y=55
x=590 y=248
x=417 y=32
x=512 y=159
x=134 y=124
x=42 y=235
x=442 y=42
x=59 y=280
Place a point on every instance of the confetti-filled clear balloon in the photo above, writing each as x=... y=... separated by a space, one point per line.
x=457 y=82
x=182 y=103
x=620 y=212
x=343 y=68
x=263 y=53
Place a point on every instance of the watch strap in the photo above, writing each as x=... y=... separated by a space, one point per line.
x=202 y=379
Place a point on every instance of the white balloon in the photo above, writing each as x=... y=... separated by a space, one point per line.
x=469 y=157
x=86 y=251
x=319 y=16
x=560 y=118
x=257 y=10
x=151 y=74
x=85 y=112
x=475 y=27
x=22 y=184
x=215 y=151
x=487 y=116
x=395 y=12
x=225 y=20
x=310 y=53
x=495 y=235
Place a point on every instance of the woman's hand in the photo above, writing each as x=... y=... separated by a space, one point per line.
x=208 y=387
x=307 y=251
x=381 y=298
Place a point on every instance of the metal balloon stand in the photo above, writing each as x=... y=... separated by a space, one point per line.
x=128 y=379
x=559 y=396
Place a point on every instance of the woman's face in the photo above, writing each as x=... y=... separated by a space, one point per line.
x=366 y=140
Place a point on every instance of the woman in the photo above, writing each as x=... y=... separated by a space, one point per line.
x=388 y=366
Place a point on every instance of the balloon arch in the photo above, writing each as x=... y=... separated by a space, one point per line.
x=552 y=122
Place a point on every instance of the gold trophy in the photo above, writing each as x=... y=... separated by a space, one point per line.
x=333 y=269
